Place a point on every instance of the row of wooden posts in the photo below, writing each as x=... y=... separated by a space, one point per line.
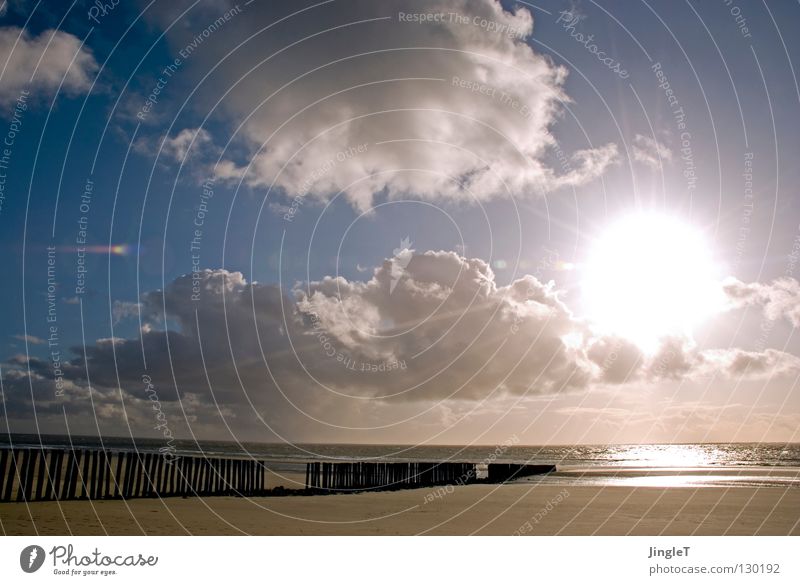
x=357 y=476
x=500 y=472
x=52 y=474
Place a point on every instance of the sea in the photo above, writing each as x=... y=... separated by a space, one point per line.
x=690 y=464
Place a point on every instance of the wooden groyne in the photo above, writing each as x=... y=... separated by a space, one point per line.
x=52 y=474
x=360 y=476
x=42 y=474
x=502 y=472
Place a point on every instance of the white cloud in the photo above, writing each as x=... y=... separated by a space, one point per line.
x=650 y=151
x=741 y=364
x=32 y=339
x=124 y=310
x=437 y=110
x=778 y=299
x=51 y=57
x=178 y=146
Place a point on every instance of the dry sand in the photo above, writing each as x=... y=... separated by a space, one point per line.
x=475 y=509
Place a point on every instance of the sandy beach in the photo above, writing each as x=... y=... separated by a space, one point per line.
x=475 y=509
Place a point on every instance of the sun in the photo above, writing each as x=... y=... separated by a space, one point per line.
x=648 y=276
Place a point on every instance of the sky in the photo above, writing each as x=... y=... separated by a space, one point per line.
x=441 y=222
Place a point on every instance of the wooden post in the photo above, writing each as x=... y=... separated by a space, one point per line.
x=197 y=464
x=101 y=475
x=3 y=462
x=84 y=474
x=127 y=464
x=13 y=468
x=208 y=478
x=172 y=488
x=74 y=471
x=54 y=475
x=163 y=486
x=144 y=472
x=14 y=474
x=136 y=479
x=184 y=476
x=97 y=492
x=197 y=472
x=106 y=474
x=189 y=470
x=129 y=475
x=90 y=478
x=201 y=475
x=23 y=474
x=216 y=486
x=226 y=485
x=147 y=479
x=118 y=477
x=159 y=478
x=193 y=476
x=64 y=491
x=158 y=474
x=22 y=489
x=149 y=476
x=41 y=475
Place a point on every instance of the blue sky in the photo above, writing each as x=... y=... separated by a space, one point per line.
x=470 y=180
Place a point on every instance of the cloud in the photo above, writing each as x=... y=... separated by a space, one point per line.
x=52 y=57
x=680 y=359
x=192 y=148
x=458 y=334
x=32 y=339
x=357 y=354
x=741 y=364
x=778 y=299
x=619 y=360
x=177 y=147
x=650 y=152
x=369 y=103
x=123 y=310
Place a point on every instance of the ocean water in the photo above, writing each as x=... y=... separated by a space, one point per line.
x=730 y=464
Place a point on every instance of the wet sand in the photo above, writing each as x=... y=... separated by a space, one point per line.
x=524 y=508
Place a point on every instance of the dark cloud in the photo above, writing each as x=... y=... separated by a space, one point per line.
x=431 y=331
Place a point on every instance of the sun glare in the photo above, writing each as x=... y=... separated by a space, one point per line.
x=648 y=276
